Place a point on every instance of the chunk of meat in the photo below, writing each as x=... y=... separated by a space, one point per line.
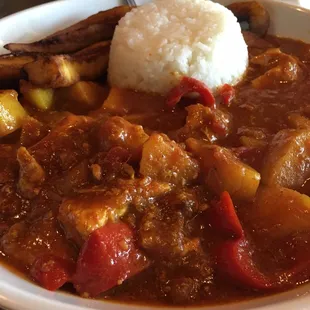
x=116 y=131
x=26 y=242
x=277 y=212
x=223 y=171
x=8 y=163
x=162 y=233
x=93 y=208
x=164 y=160
x=281 y=68
x=111 y=165
x=71 y=180
x=32 y=131
x=287 y=162
x=107 y=259
x=66 y=145
x=52 y=272
x=205 y=123
x=185 y=279
x=13 y=208
x=31 y=174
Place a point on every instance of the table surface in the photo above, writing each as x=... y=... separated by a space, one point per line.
x=8 y=7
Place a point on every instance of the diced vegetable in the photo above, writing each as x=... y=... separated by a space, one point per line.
x=126 y=102
x=12 y=114
x=82 y=215
x=41 y=98
x=287 y=162
x=81 y=97
x=107 y=259
x=52 y=272
x=189 y=85
x=223 y=171
x=164 y=160
x=235 y=256
x=228 y=225
x=227 y=94
x=93 y=208
x=279 y=212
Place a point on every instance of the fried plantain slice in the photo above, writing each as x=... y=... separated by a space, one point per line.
x=10 y=66
x=96 y=28
x=65 y=70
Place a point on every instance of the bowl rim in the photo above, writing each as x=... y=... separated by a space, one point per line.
x=14 y=297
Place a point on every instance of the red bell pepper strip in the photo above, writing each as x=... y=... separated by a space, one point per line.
x=108 y=258
x=189 y=85
x=227 y=93
x=233 y=255
x=223 y=217
x=52 y=272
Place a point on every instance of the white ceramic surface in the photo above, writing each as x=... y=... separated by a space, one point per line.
x=17 y=294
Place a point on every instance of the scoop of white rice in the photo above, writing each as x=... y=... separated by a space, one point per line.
x=159 y=42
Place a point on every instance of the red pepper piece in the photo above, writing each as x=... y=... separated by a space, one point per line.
x=233 y=255
x=189 y=85
x=108 y=257
x=52 y=272
x=233 y=260
x=227 y=93
x=223 y=217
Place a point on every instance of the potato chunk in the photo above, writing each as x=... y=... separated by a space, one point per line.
x=223 y=171
x=164 y=160
x=287 y=162
x=279 y=212
x=116 y=131
x=12 y=114
x=41 y=98
x=80 y=97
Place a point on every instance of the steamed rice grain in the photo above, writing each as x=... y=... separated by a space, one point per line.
x=158 y=43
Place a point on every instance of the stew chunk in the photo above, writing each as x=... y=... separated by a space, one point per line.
x=279 y=212
x=66 y=145
x=223 y=171
x=164 y=160
x=107 y=259
x=287 y=162
x=93 y=208
x=116 y=131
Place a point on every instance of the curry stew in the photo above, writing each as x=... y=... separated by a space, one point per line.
x=133 y=200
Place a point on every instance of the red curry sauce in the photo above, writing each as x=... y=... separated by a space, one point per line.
x=127 y=214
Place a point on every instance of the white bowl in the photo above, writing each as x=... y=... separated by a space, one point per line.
x=287 y=20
